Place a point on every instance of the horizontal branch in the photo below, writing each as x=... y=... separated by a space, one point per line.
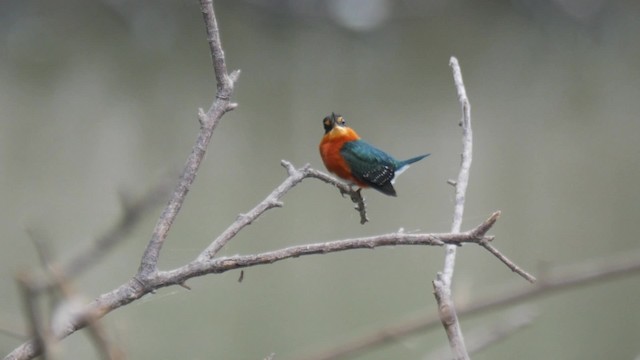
x=219 y=265
x=134 y=289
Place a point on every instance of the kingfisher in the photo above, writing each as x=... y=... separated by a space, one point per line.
x=356 y=161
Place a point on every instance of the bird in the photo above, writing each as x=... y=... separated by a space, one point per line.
x=349 y=157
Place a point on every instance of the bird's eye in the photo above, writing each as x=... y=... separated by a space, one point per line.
x=340 y=120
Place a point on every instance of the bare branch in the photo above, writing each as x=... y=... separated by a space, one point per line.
x=134 y=289
x=465 y=166
x=105 y=303
x=354 y=195
x=148 y=278
x=137 y=287
x=442 y=284
x=201 y=266
x=515 y=268
x=273 y=201
x=510 y=264
x=560 y=278
x=208 y=121
x=225 y=84
x=270 y=202
x=71 y=305
x=485 y=336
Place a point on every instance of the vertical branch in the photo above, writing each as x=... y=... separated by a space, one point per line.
x=486 y=336
x=139 y=285
x=442 y=284
x=465 y=166
x=208 y=122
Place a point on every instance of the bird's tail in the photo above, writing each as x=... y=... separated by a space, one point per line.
x=412 y=160
x=404 y=165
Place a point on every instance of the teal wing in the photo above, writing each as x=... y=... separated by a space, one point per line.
x=370 y=165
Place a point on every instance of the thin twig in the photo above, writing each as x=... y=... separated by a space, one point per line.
x=465 y=166
x=442 y=284
x=354 y=195
x=208 y=122
x=560 y=278
x=224 y=83
x=510 y=264
x=485 y=336
x=270 y=202
x=273 y=201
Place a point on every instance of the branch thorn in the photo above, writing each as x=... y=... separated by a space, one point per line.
x=184 y=285
x=235 y=74
x=202 y=117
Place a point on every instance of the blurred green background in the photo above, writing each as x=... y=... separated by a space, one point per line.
x=98 y=97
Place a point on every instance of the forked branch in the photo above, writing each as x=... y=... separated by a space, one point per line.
x=149 y=278
x=273 y=201
x=208 y=123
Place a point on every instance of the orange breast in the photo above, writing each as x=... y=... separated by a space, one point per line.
x=330 y=152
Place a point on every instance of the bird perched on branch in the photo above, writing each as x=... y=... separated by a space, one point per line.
x=357 y=162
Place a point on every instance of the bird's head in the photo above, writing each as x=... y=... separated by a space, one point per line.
x=332 y=121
